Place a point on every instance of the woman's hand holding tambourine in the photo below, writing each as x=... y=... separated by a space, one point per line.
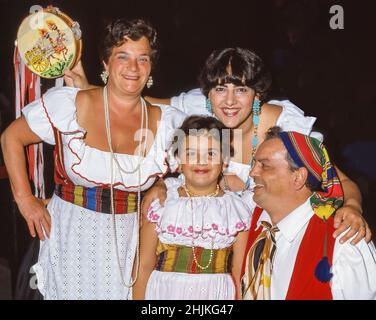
x=76 y=77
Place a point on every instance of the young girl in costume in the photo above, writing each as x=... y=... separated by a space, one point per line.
x=193 y=247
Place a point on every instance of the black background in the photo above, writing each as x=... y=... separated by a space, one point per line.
x=327 y=73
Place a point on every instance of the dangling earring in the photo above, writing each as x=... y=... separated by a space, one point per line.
x=256 y=105
x=256 y=110
x=150 y=82
x=104 y=76
x=209 y=106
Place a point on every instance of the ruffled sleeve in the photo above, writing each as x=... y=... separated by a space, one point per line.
x=56 y=109
x=292 y=118
x=354 y=271
x=174 y=183
x=153 y=165
x=191 y=103
x=247 y=197
x=155 y=212
x=172 y=119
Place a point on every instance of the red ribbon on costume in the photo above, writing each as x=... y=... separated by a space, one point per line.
x=28 y=89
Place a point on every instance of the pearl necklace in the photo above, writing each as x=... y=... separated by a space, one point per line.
x=141 y=153
x=190 y=195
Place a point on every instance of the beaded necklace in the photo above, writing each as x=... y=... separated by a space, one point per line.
x=190 y=195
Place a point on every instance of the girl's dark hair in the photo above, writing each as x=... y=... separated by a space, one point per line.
x=241 y=67
x=134 y=29
x=201 y=124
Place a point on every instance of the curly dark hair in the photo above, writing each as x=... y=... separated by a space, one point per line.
x=115 y=33
x=200 y=124
x=247 y=69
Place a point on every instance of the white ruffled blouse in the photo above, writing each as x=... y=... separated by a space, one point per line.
x=210 y=222
x=87 y=166
x=292 y=118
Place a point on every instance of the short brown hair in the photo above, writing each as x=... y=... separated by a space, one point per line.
x=116 y=31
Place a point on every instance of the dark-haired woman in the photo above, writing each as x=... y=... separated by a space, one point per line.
x=109 y=148
x=234 y=88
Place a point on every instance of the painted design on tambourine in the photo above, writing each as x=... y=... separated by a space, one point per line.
x=49 y=55
x=51 y=47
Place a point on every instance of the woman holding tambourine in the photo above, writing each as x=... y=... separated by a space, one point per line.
x=109 y=148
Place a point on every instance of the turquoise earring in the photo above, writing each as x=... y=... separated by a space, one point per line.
x=256 y=110
x=209 y=106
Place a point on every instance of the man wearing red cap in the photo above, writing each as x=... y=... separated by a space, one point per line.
x=291 y=252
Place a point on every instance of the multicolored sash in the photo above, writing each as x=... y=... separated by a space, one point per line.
x=175 y=258
x=98 y=199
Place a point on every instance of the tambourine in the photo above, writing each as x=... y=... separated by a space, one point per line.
x=49 y=42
